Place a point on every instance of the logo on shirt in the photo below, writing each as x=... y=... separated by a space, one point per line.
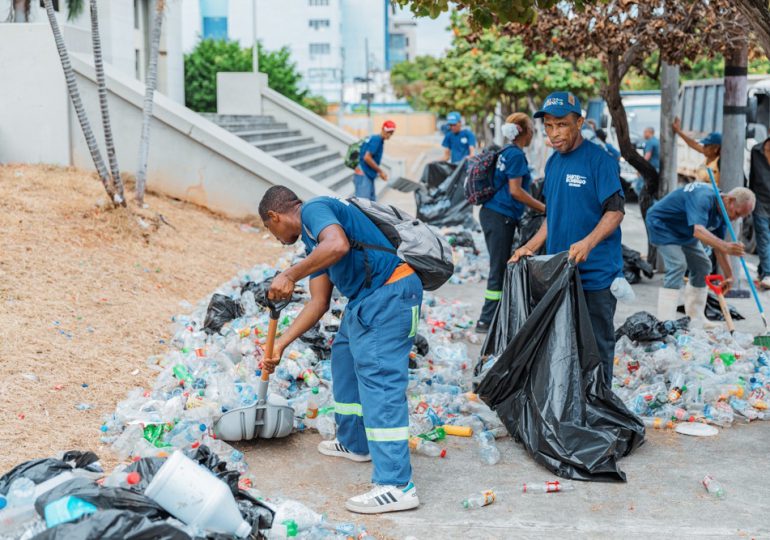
x=464 y=140
x=576 y=180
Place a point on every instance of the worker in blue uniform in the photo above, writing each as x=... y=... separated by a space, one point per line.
x=370 y=354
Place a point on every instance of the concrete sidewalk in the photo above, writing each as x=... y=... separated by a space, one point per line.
x=663 y=495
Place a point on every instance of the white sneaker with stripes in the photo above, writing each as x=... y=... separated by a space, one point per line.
x=335 y=449
x=383 y=499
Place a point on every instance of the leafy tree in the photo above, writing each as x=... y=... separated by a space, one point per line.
x=212 y=56
x=487 y=67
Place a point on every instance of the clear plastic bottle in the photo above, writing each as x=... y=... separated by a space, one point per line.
x=325 y=423
x=712 y=486
x=621 y=289
x=21 y=492
x=488 y=450
x=477 y=500
x=553 y=486
x=121 y=478
x=426 y=448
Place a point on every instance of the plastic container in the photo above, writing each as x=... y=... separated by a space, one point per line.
x=67 y=509
x=547 y=487
x=195 y=496
x=477 y=500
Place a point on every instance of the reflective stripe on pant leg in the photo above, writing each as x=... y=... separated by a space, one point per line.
x=493 y=295
x=380 y=343
x=348 y=409
x=415 y=321
x=350 y=427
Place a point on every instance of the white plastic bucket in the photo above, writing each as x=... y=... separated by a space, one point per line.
x=192 y=494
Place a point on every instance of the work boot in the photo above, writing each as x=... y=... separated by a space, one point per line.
x=668 y=300
x=335 y=449
x=383 y=499
x=695 y=305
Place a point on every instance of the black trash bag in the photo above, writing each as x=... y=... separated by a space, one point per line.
x=446 y=205
x=435 y=172
x=40 y=470
x=318 y=343
x=421 y=345
x=104 y=498
x=147 y=469
x=713 y=312
x=634 y=266
x=114 y=525
x=531 y=221
x=643 y=326
x=548 y=384
x=222 y=309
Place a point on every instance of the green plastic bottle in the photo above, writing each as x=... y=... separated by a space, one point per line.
x=182 y=374
x=435 y=434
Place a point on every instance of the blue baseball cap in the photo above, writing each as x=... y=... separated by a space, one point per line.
x=560 y=104
x=712 y=138
x=453 y=118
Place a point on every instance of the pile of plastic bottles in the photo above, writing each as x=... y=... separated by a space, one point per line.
x=470 y=255
x=706 y=376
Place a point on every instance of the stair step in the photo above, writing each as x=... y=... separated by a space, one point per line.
x=327 y=169
x=289 y=154
x=338 y=180
x=268 y=145
x=346 y=190
x=238 y=118
x=255 y=128
x=307 y=162
x=267 y=134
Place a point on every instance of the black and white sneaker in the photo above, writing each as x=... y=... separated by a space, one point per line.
x=383 y=499
x=482 y=327
x=335 y=449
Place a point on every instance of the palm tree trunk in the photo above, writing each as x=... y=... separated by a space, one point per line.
x=101 y=84
x=151 y=83
x=72 y=88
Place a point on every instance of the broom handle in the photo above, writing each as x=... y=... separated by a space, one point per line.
x=735 y=239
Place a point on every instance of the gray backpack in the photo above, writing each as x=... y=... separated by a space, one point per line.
x=415 y=243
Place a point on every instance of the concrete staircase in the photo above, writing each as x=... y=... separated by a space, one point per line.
x=299 y=151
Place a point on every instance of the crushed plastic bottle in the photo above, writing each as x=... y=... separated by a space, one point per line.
x=712 y=486
x=477 y=500
x=426 y=448
x=553 y=486
x=488 y=450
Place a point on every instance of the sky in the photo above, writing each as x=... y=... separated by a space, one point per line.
x=432 y=34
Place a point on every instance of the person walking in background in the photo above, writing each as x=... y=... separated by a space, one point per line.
x=500 y=215
x=759 y=183
x=459 y=143
x=651 y=154
x=370 y=157
x=710 y=146
x=585 y=204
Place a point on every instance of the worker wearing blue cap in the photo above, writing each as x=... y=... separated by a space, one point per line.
x=459 y=142
x=710 y=146
x=584 y=209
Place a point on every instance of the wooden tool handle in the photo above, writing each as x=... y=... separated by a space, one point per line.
x=272 y=329
x=726 y=313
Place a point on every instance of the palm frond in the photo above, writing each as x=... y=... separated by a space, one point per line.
x=74 y=8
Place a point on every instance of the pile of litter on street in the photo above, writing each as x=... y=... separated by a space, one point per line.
x=669 y=375
x=212 y=371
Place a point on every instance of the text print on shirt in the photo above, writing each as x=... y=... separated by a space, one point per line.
x=575 y=180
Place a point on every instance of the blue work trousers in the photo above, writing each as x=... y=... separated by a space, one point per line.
x=370 y=361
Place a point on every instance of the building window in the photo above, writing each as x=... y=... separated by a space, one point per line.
x=320 y=48
x=215 y=28
x=318 y=2
x=317 y=24
x=322 y=74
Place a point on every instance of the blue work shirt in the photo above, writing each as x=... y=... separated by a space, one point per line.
x=672 y=219
x=375 y=145
x=459 y=144
x=349 y=274
x=511 y=163
x=577 y=184
x=653 y=145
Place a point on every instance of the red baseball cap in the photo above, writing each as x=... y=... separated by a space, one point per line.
x=389 y=125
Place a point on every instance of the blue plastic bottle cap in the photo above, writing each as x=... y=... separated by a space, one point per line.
x=202 y=427
x=3 y=502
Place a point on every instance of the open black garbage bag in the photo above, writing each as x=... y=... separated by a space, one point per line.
x=634 y=266
x=643 y=326
x=445 y=205
x=222 y=309
x=40 y=470
x=548 y=384
x=435 y=172
x=114 y=525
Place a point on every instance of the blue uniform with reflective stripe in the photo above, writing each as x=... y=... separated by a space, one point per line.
x=370 y=354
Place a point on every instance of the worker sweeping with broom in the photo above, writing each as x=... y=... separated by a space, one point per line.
x=370 y=354
x=679 y=225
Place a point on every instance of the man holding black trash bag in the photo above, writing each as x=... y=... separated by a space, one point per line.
x=584 y=209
